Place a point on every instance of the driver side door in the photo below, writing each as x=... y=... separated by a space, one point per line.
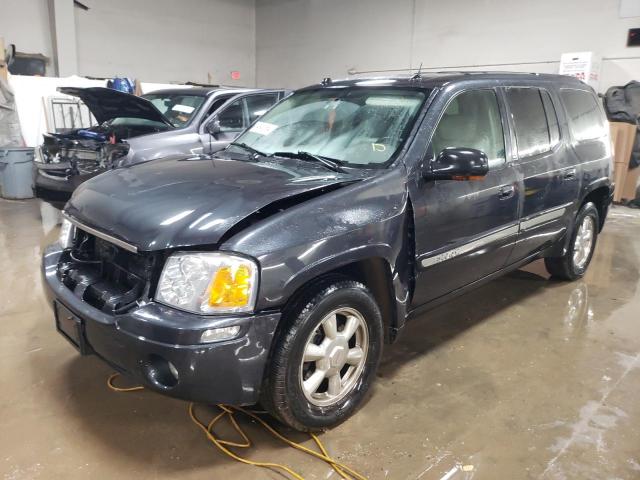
x=229 y=121
x=465 y=230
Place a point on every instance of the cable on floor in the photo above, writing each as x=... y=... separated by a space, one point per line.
x=229 y=412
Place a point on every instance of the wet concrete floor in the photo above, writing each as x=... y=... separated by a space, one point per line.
x=524 y=378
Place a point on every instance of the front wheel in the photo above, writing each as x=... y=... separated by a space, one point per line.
x=326 y=359
x=573 y=264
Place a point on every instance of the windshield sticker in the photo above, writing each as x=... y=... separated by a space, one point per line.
x=183 y=108
x=378 y=147
x=263 y=128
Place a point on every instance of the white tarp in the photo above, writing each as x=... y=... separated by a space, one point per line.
x=33 y=93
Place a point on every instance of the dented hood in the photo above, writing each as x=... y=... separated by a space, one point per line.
x=106 y=104
x=191 y=201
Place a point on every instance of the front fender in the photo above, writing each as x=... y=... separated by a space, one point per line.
x=364 y=220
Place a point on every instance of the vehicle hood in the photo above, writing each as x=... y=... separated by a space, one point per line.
x=187 y=201
x=107 y=104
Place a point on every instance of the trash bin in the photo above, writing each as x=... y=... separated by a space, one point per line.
x=16 y=172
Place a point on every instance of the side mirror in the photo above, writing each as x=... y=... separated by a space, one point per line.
x=213 y=127
x=458 y=164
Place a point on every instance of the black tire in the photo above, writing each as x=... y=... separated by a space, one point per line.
x=564 y=268
x=282 y=392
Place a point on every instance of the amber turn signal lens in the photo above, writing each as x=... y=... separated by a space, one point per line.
x=230 y=289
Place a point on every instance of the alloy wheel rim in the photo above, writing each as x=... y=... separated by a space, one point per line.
x=334 y=357
x=583 y=242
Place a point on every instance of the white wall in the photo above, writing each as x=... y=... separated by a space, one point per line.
x=300 y=41
x=168 y=40
x=153 y=40
x=25 y=23
x=297 y=42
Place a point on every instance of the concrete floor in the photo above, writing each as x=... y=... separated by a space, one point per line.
x=524 y=378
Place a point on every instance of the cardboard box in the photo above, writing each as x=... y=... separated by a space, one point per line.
x=583 y=65
x=628 y=190
x=622 y=138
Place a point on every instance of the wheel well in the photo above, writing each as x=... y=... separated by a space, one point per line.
x=599 y=197
x=375 y=274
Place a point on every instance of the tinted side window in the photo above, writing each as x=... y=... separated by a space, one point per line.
x=259 y=104
x=231 y=119
x=552 y=118
x=585 y=119
x=530 y=119
x=217 y=103
x=472 y=120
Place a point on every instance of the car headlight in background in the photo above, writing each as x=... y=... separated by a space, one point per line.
x=67 y=233
x=208 y=282
x=38 y=154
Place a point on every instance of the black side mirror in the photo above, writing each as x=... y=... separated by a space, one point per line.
x=213 y=127
x=458 y=164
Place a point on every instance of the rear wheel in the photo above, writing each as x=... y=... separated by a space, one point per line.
x=325 y=361
x=573 y=264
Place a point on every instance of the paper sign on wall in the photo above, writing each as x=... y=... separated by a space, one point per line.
x=584 y=66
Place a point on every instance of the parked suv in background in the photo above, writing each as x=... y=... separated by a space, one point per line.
x=133 y=129
x=275 y=270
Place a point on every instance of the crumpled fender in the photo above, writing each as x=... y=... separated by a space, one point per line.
x=360 y=221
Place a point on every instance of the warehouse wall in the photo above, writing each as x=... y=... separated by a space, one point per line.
x=25 y=23
x=153 y=40
x=167 y=40
x=300 y=41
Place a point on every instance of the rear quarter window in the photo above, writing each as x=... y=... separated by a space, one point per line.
x=585 y=117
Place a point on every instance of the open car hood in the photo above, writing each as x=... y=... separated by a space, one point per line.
x=187 y=201
x=107 y=104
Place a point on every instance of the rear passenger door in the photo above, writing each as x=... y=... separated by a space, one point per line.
x=547 y=168
x=465 y=230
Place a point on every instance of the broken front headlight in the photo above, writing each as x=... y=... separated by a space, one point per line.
x=38 y=155
x=208 y=282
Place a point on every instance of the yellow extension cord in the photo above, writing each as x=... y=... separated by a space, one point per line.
x=229 y=411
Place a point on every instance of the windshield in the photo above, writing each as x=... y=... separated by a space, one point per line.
x=179 y=108
x=359 y=127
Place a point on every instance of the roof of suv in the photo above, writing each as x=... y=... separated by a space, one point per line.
x=437 y=79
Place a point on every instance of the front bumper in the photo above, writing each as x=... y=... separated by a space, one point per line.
x=55 y=188
x=134 y=342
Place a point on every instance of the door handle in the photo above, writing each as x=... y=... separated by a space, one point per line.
x=506 y=191
x=569 y=174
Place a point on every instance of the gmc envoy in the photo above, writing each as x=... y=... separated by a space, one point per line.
x=274 y=271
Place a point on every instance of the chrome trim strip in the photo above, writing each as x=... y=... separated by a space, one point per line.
x=467 y=247
x=543 y=217
x=526 y=224
x=102 y=235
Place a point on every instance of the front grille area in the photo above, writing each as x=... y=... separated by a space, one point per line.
x=86 y=161
x=105 y=275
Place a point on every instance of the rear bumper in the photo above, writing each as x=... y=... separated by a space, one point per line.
x=149 y=336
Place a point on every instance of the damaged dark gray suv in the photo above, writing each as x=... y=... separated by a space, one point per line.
x=275 y=270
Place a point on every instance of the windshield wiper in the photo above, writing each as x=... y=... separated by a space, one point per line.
x=247 y=148
x=330 y=163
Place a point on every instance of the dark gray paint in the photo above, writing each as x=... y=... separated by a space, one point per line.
x=392 y=215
